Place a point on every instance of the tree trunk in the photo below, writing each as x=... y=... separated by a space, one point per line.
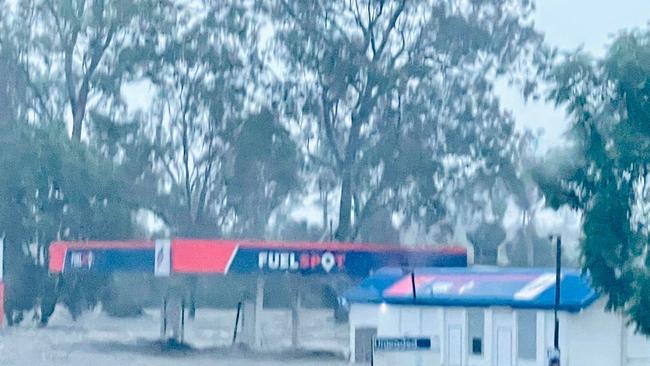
x=77 y=121
x=324 y=196
x=345 y=206
x=79 y=108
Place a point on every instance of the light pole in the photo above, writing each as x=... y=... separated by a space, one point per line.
x=554 y=354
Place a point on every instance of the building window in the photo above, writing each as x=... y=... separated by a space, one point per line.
x=475 y=331
x=527 y=335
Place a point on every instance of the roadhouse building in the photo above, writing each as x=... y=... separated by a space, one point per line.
x=486 y=316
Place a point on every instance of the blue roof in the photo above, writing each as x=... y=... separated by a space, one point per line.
x=532 y=288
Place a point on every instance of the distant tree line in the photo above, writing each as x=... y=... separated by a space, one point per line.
x=380 y=113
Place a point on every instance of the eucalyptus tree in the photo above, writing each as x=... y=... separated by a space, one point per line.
x=395 y=98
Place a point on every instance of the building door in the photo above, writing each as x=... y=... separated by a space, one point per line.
x=454 y=345
x=504 y=346
x=363 y=338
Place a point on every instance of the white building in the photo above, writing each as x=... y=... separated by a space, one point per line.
x=484 y=316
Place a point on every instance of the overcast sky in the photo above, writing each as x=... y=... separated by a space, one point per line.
x=569 y=24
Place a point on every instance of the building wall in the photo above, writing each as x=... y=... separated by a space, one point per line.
x=593 y=338
x=637 y=349
x=589 y=338
x=600 y=338
x=361 y=316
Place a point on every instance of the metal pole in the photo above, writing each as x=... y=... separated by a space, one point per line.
x=182 y=335
x=234 y=335
x=163 y=333
x=413 y=285
x=295 y=318
x=259 y=310
x=558 y=279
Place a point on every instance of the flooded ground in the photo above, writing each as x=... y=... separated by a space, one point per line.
x=98 y=340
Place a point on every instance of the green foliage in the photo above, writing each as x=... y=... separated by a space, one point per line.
x=398 y=98
x=75 y=49
x=390 y=103
x=200 y=158
x=265 y=171
x=606 y=173
x=51 y=189
x=12 y=89
x=59 y=190
x=56 y=190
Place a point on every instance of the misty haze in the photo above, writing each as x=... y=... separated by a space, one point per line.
x=303 y=182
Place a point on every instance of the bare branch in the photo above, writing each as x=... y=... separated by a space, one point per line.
x=389 y=29
x=186 y=148
x=364 y=213
x=372 y=21
x=167 y=164
x=400 y=51
x=371 y=29
x=37 y=92
x=327 y=123
x=68 y=48
x=308 y=26
x=357 y=207
x=359 y=21
x=69 y=75
x=80 y=10
x=57 y=22
x=202 y=200
x=99 y=53
x=326 y=164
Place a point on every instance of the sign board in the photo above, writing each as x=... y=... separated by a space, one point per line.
x=416 y=351
x=246 y=257
x=101 y=260
x=203 y=256
x=300 y=261
x=81 y=259
x=402 y=344
x=162 y=264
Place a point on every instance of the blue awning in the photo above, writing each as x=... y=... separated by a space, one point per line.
x=532 y=288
